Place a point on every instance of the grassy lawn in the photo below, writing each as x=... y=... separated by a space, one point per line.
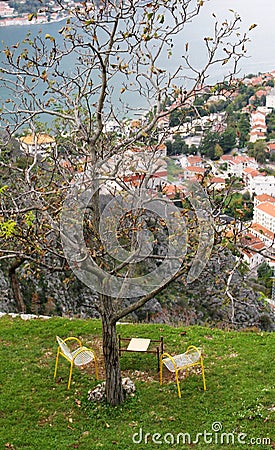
x=173 y=170
x=37 y=412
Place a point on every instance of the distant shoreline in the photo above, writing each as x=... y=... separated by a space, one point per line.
x=23 y=20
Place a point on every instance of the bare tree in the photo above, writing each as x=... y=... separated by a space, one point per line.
x=108 y=58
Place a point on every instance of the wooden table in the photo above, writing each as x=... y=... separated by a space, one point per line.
x=142 y=345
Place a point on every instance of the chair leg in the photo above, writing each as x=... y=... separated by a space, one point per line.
x=56 y=363
x=203 y=376
x=158 y=357
x=160 y=371
x=70 y=376
x=178 y=384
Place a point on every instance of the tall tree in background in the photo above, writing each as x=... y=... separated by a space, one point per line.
x=84 y=84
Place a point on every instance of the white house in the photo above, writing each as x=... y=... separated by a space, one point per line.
x=263 y=233
x=111 y=126
x=264 y=214
x=193 y=172
x=191 y=161
x=263 y=229
x=260 y=184
x=193 y=140
x=217 y=183
x=237 y=164
x=253 y=250
x=270 y=99
x=37 y=143
x=6 y=10
x=263 y=198
x=258 y=126
x=256 y=135
x=249 y=175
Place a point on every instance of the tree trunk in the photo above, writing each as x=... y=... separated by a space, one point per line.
x=16 y=287
x=114 y=391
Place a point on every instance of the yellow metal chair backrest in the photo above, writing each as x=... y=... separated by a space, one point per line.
x=192 y=357
x=64 y=348
x=78 y=357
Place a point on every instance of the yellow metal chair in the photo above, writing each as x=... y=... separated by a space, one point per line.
x=192 y=357
x=79 y=357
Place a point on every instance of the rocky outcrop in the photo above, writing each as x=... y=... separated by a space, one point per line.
x=205 y=301
x=50 y=294
x=202 y=302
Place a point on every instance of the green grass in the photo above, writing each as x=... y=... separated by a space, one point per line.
x=37 y=412
x=173 y=170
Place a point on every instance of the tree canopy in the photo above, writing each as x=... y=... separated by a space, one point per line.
x=81 y=197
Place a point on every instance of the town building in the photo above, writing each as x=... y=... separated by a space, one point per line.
x=271 y=147
x=264 y=214
x=191 y=161
x=193 y=172
x=263 y=233
x=237 y=164
x=270 y=99
x=249 y=175
x=259 y=239
x=264 y=198
x=37 y=143
x=258 y=126
x=218 y=183
x=260 y=184
x=6 y=10
x=253 y=250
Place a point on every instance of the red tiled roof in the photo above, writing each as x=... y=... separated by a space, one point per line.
x=260 y=93
x=217 y=180
x=237 y=159
x=253 y=243
x=265 y=198
x=257 y=133
x=195 y=169
x=271 y=146
x=159 y=174
x=258 y=124
x=258 y=113
x=160 y=147
x=171 y=190
x=39 y=139
x=227 y=157
x=240 y=159
x=194 y=159
x=252 y=172
x=256 y=80
x=262 y=230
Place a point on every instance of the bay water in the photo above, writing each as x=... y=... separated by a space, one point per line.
x=260 y=55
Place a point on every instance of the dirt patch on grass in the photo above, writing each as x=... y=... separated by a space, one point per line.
x=135 y=375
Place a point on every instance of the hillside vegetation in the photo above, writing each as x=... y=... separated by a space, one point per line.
x=40 y=413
